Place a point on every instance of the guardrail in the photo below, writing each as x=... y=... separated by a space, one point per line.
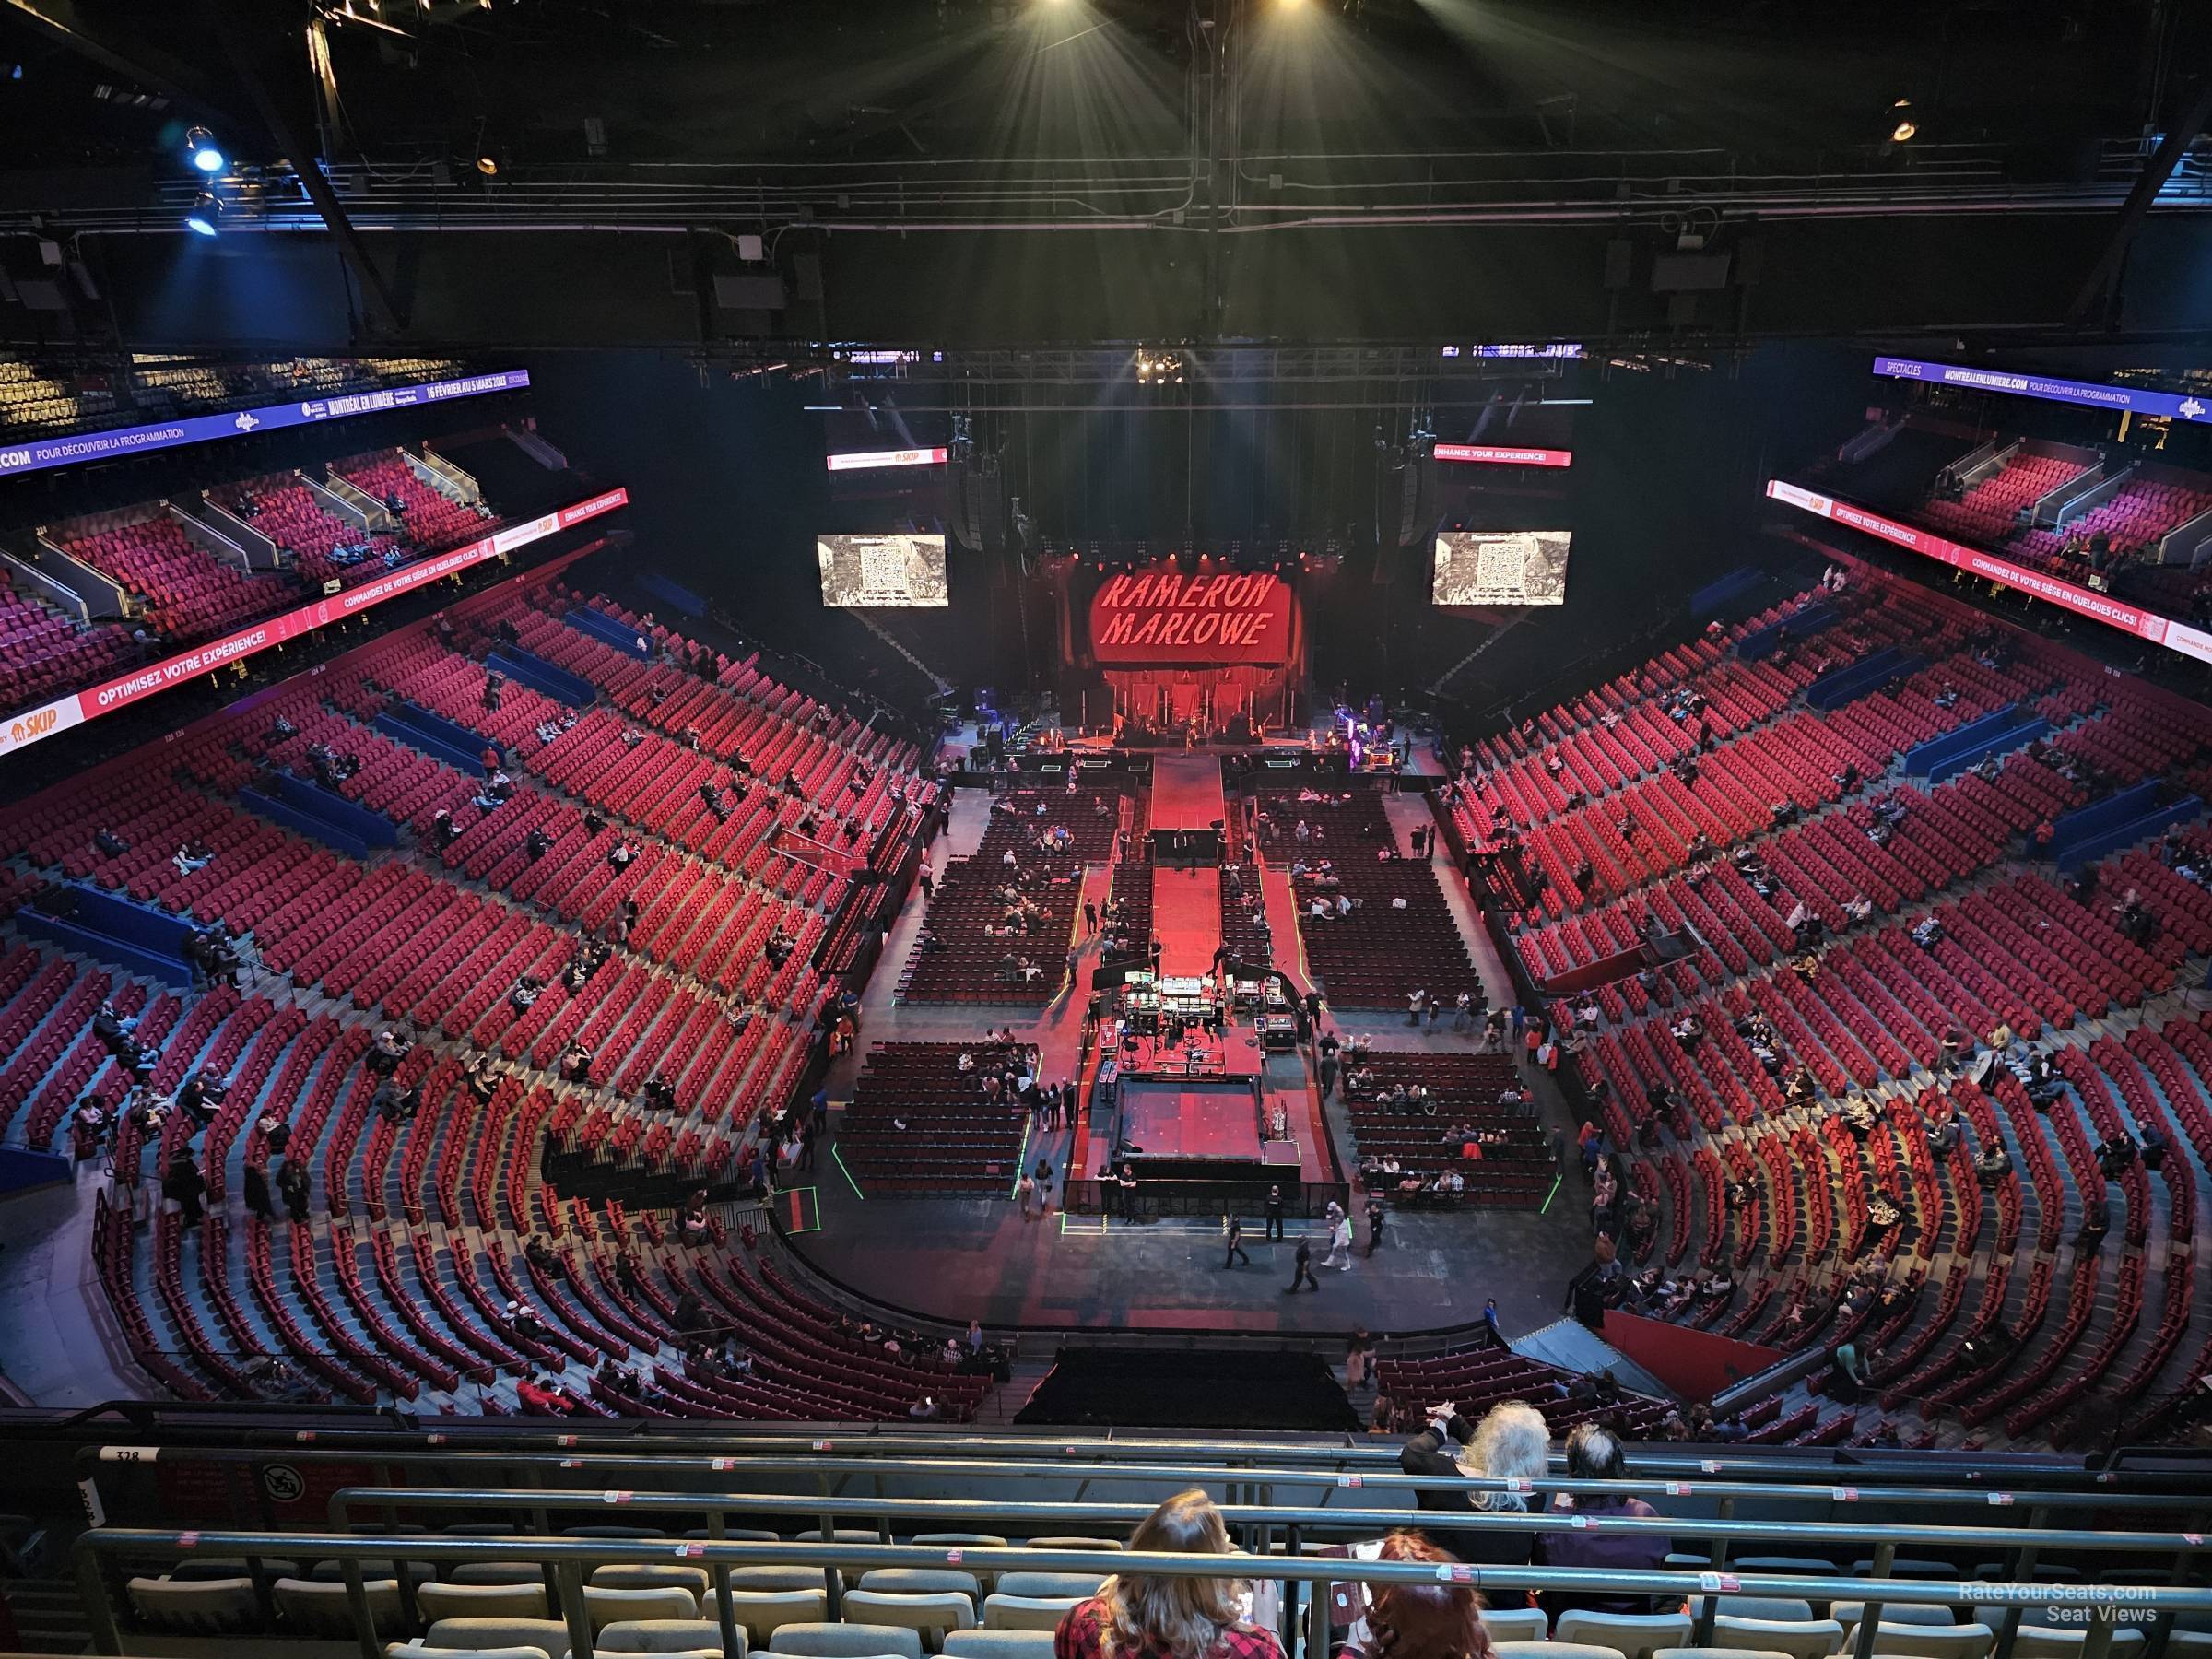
x=564 y=1560
x=1704 y=1479
x=2178 y=1470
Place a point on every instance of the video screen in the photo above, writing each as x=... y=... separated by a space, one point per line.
x=859 y=571
x=1502 y=568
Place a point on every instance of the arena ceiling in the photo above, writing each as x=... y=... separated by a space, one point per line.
x=751 y=178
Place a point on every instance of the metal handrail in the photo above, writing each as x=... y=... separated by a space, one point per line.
x=565 y=1560
x=663 y=1463
x=1263 y=1515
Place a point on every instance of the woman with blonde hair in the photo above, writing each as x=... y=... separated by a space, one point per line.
x=1512 y=1443
x=1440 y=1620
x=1142 y=1616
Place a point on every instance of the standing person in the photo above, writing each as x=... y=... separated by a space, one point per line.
x=184 y=1185
x=1359 y=1360
x=1135 y=1616
x=257 y=1189
x=1275 y=1214
x=1042 y=1176
x=292 y=1187
x=1233 y=1233
x=1489 y=1322
x=1851 y=1371
x=1124 y=1182
x=1025 y=1188
x=1090 y=916
x=1301 y=1277
x=1375 y=1222
x=1340 y=1243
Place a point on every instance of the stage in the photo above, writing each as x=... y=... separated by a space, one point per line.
x=1190 y=1120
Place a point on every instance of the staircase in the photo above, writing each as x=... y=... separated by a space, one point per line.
x=1000 y=1406
x=49 y=1617
x=923 y=669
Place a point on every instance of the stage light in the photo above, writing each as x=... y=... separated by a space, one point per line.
x=1902 y=131
x=201 y=151
x=487 y=167
x=207 y=216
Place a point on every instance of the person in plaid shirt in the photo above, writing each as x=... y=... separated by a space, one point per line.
x=1137 y=1617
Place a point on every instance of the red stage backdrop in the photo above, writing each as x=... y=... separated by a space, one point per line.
x=1160 y=617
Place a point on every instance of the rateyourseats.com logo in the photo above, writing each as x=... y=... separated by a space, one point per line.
x=2066 y=1603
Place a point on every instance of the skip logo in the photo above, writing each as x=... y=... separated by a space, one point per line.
x=245 y=422
x=2191 y=409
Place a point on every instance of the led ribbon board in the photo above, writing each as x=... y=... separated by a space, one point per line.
x=118 y=441
x=2134 y=400
x=1502 y=455
x=870 y=460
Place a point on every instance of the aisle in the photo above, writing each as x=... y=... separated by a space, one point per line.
x=1186 y=914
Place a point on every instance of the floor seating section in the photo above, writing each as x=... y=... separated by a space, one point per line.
x=1400 y=936
x=918 y=1123
x=402 y=1276
x=1759 y=1202
x=1458 y=1123
x=977 y=947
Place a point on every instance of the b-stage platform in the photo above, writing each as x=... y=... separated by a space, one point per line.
x=1191 y=1128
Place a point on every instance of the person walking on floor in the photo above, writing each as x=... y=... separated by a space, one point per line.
x=1090 y=916
x=1232 y=1232
x=1024 y=1189
x=1275 y=1214
x=1340 y=1244
x=1374 y=1223
x=1302 y=1277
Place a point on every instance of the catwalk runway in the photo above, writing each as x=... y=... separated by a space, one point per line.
x=1186 y=792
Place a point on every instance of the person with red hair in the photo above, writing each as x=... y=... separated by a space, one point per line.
x=1440 y=1620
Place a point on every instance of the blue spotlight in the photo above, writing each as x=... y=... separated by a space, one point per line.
x=200 y=149
x=207 y=216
